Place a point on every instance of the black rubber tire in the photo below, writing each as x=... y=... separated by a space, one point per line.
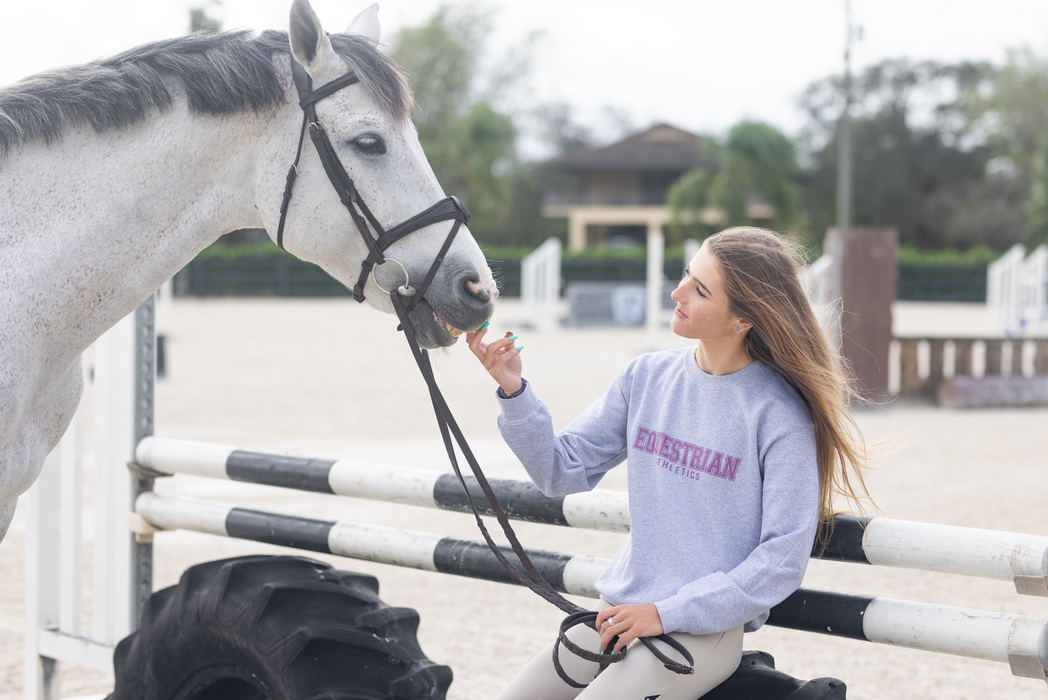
x=757 y=679
x=274 y=628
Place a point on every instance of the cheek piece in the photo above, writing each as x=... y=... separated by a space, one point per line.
x=377 y=240
x=374 y=236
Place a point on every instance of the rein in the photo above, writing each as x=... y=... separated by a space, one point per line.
x=377 y=241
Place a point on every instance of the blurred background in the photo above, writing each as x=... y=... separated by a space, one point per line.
x=597 y=123
x=949 y=107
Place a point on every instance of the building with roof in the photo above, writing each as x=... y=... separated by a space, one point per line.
x=617 y=194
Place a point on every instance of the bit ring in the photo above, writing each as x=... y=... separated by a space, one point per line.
x=405 y=289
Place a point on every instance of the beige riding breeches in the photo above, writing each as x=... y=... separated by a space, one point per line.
x=640 y=677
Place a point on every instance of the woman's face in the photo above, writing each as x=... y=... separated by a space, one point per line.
x=702 y=311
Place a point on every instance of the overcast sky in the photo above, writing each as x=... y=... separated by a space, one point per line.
x=699 y=64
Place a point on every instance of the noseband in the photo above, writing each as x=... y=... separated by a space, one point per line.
x=378 y=240
x=374 y=236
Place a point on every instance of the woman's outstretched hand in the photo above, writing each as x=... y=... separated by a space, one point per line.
x=628 y=622
x=501 y=358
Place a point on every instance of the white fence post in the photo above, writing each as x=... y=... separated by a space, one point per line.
x=122 y=568
x=1012 y=291
x=1036 y=286
x=653 y=313
x=42 y=575
x=691 y=247
x=820 y=286
x=114 y=448
x=540 y=285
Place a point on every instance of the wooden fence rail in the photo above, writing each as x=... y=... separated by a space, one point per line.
x=924 y=362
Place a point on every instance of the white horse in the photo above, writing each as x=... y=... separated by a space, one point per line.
x=117 y=173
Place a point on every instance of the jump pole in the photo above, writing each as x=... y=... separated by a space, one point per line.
x=990 y=554
x=1020 y=641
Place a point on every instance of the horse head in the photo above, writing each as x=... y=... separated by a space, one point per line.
x=369 y=128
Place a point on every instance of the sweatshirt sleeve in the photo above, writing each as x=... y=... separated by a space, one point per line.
x=575 y=459
x=772 y=571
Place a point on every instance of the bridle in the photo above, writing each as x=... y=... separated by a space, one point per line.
x=447 y=209
x=375 y=238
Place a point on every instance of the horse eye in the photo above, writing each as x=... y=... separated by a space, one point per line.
x=368 y=143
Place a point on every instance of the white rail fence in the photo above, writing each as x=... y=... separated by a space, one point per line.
x=1017 y=292
x=540 y=285
x=821 y=287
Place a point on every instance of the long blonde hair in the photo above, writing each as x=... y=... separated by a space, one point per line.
x=760 y=275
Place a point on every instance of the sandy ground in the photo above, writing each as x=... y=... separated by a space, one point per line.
x=328 y=378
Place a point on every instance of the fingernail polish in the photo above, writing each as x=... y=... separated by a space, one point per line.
x=600 y=650
x=512 y=337
x=520 y=348
x=485 y=326
x=613 y=652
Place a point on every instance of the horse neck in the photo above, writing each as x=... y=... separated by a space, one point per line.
x=95 y=223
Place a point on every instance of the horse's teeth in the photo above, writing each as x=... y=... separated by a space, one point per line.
x=452 y=331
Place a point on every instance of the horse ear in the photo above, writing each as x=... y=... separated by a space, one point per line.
x=309 y=42
x=366 y=24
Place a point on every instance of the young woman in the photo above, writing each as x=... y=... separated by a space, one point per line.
x=736 y=445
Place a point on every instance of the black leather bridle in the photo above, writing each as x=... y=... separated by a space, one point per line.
x=375 y=238
x=446 y=209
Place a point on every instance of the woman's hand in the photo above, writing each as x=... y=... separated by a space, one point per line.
x=501 y=358
x=628 y=622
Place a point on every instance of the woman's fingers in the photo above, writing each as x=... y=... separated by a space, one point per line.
x=628 y=622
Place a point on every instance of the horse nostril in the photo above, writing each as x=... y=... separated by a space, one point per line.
x=474 y=289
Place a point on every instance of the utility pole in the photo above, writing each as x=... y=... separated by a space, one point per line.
x=844 y=138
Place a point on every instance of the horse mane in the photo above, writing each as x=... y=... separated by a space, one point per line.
x=221 y=74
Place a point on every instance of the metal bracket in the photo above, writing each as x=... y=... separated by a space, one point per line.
x=145 y=473
x=143 y=529
x=1026 y=667
x=1031 y=585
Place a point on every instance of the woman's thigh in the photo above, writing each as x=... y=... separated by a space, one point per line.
x=639 y=677
x=642 y=676
x=538 y=680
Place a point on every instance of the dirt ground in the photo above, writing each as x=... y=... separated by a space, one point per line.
x=328 y=378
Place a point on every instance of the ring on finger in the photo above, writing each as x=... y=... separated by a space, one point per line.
x=611 y=621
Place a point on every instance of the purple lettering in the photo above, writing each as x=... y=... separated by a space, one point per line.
x=642 y=436
x=649 y=445
x=659 y=442
x=700 y=458
x=665 y=447
x=686 y=447
x=675 y=450
x=731 y=465
x=715 y=466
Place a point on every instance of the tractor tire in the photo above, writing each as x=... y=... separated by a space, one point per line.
x=757 y=679
x=274 y=628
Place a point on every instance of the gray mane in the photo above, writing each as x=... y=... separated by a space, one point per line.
x=221 y=74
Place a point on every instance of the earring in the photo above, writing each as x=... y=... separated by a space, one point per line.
x=737 y=329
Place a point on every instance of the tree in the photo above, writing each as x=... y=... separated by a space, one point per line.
x=757 y=165
x=924 y=158
x=200 y=21
x=1013 y=112
x=470 y=143
x=1037 y=203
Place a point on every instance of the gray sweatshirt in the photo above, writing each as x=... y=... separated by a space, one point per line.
x=723 y=485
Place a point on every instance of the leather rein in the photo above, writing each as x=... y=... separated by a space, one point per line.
x=377 y=241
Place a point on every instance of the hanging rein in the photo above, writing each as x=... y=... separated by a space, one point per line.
x=377 y=241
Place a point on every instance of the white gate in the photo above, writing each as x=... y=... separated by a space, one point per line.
x=540 y=285
x=1017 y=292
x=122 y=575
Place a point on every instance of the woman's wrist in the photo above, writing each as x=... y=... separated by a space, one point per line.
x=511 y=393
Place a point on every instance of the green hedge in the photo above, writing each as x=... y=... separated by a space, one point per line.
x=265 y=270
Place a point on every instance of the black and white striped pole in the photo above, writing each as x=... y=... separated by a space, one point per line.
x=990 y=554
x=1020 y=641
